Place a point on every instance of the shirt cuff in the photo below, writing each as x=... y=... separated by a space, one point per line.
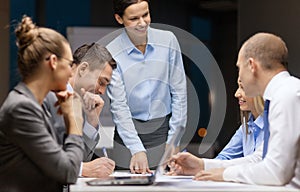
x=230 y=174
x=211 y=163
x=90 y=131
x=136 y=148
x=80 y=170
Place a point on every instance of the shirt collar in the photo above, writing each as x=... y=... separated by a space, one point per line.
x=259 y=121
x=274 y=83
x=70 y=88
x=130 y=47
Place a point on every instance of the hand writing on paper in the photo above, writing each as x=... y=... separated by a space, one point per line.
x=100 y=167
x=212 y=174
x=139 y=163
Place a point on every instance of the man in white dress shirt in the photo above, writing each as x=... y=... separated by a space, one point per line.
x=262 y=64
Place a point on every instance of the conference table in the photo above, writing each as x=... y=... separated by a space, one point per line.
x=168 y=184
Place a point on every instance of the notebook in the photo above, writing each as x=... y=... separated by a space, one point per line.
x=147 y=179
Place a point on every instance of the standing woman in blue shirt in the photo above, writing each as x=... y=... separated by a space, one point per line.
x=250 y=134
x=148 y=89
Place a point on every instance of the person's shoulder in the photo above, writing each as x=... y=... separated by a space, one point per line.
x=116 y=38
x=114 y=41
x=162 y=34
x=18 y=103
x=295 y=80
x=162 y=37
x=114 y=45
x=288 y=90
x=291 y=83
x=161 y=31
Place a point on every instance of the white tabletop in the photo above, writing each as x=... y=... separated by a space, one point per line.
x=182 y=185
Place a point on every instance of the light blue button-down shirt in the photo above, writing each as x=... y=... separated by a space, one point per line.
x=147 y=86
x=239 y=145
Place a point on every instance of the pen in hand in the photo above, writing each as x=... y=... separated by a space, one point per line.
x=104 y=152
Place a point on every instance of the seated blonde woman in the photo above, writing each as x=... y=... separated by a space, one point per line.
x=244 y=146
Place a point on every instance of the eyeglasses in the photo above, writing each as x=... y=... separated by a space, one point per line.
x=71 y=62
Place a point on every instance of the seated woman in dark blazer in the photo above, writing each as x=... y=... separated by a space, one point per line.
x=30 y=157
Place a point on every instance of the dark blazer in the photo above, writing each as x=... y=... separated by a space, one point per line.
x=60 y=128
x=30 y=157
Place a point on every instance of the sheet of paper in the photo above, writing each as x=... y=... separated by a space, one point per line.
x=127 y=173
x=179 y=178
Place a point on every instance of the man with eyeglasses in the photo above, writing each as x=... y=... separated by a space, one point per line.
x=92 y=69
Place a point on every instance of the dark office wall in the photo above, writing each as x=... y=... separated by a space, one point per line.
x=61 y=14
x=4 y=51
x=17 y=10
x=102 y=13
x=225 y=52
x=275 y=16
x=55 y=14
x=171 y=12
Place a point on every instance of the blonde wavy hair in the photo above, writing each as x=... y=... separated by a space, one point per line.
x=259 y=108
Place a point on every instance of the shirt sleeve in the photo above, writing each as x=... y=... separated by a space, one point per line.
x=91 y=138
x=234 y=149
x=121 y=114
x=218 y=163
x=178 y=89
x=91 y=131
x=80 y=170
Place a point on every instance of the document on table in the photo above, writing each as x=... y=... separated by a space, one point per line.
x=159 y=178
x=178 y=178
x=127 y=174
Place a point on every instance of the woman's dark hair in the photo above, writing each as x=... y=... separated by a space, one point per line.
x=119 y=6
